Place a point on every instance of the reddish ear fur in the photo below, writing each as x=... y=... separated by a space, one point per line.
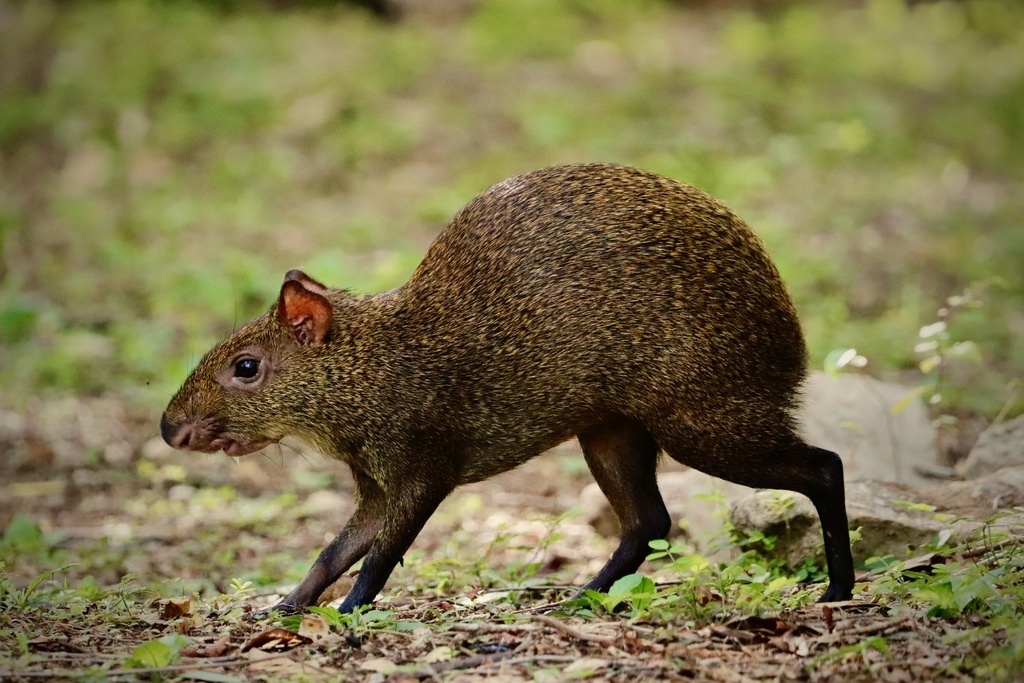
x=306 y=281
x=303 y=307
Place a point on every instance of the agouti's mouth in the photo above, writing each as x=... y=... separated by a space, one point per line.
x=236 y=448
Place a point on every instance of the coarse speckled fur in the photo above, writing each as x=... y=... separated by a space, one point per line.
x=598 y=301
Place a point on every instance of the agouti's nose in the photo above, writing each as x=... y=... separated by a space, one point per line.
x=177 y=435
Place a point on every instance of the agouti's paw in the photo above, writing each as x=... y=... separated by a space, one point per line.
x=280 y=609
x=835 y=593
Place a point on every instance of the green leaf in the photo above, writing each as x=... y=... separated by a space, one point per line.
x=39 y=579
x=408 y=626
x=911 y=396
x=965 y=350
x=23 y=534
x=163 y=651
x=151 y=654
x=627 y=585
x=916 y=507
x=840 y=359
x=879 y=644
x=17 y=322
x=376 y=615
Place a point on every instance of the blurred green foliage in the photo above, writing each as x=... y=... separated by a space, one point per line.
x=162 y=164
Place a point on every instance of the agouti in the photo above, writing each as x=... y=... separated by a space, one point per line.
x=633 y=312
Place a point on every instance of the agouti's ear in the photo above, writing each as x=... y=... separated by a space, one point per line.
x=306 y=281
x=304 y=309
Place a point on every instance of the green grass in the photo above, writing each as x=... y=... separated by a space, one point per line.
x=163 y=164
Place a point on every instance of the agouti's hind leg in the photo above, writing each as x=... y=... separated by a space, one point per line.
x=794 y=466
x=818 y=474
x=827 y=492
x=623 y=457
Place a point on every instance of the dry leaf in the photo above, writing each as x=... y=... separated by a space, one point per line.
x=920 y=563
x=438 y=654
x=584 y=664
x=173 y=608
x=829 y=617
x=217 y=649
x=381 y=665
x=47 y=644
x=276 y=665
x=496 y=596
x=314 y=627
x=275 y=639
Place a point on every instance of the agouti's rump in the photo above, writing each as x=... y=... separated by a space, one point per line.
x=595 y=301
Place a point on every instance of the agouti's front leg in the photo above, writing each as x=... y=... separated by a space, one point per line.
x=344 y=551
x=406 y=514
x=383 y=527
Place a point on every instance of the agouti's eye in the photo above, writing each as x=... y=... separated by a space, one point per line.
x=247 y=368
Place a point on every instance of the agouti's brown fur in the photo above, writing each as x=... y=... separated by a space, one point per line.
x=602 y=302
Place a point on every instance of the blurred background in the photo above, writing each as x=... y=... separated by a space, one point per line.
x=162 y=164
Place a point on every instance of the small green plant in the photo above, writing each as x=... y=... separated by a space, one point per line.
x=23 y=538
x=631 y=595
x=240 y=591
x=951 y=590
x=702 y=591
x=843 y=359
x=157 y=653
x=938 y=349
x=25 y=598
x=977 y=583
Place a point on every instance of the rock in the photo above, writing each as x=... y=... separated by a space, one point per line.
x=597 y=512
x=885 y=527
x=892 y=518
x=980 y=498
x=693 y=498
x=850 y=414
x=999 y=446
x=880 y=430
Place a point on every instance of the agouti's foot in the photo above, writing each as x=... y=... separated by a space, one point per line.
x=835 y=594
x=281 y=609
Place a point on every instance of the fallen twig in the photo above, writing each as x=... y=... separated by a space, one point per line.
x=573 y=632
x=724 y=674
x=480 y=661
x=984 y=549
x=175 y=668
x=465 y=663
x=868 y=629
x=487 y=627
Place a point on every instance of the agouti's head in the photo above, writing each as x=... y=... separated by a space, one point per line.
x=246 y=393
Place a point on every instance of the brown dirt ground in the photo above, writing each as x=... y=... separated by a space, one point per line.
x=90 y=471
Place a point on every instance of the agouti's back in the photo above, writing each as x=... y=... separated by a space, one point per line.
x=585 y=289
x=597 y=301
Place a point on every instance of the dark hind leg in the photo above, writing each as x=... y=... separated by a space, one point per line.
x=623 y=458
x=828 y=494
x=818 y=474
x=793 y=466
